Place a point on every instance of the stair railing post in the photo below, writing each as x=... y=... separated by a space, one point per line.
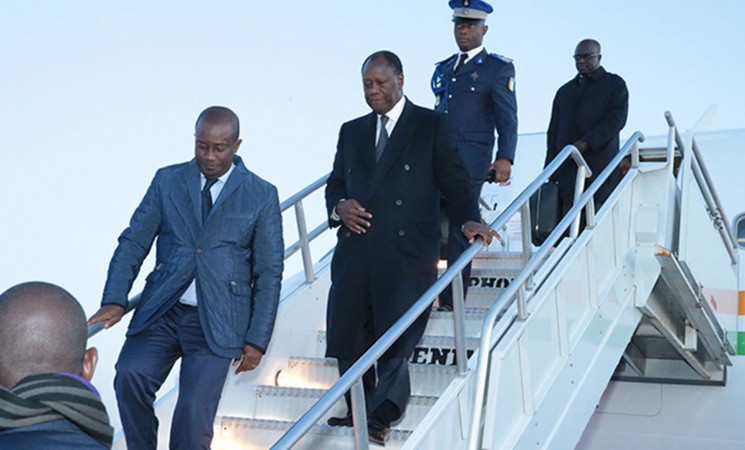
x=590 y=214
x=527 y=242
x=459 y=318
x=359 y=416
x=579 y=188
x=670 y=153
x=302 y=232
x=522 y=308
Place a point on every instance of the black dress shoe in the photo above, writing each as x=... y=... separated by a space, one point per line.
x=345 y=421
x=377 y=432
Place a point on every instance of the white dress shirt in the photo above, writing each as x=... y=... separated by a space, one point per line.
x=393 y=115
x=471 y=54
x=190 y=296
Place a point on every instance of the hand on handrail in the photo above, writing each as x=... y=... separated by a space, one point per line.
x=472 y=230
x=111 y=314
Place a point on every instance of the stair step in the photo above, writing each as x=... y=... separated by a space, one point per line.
x=486 y=285
x=492 y=279
x=431 y=349
x=321 y=373
x=489 y=278
x=441 y=322
x=440 y=350
x=239 y=432
x=498 y=260
x=290 y=403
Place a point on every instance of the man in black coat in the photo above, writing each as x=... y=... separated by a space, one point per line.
x=384 y=193
x=589 y=111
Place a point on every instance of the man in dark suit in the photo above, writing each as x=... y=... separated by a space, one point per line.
x=588 y=111
x=384 y=193
x=477 y=90
x=46 y=398
x=213 y=294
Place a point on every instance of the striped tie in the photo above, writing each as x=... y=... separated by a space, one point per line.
x=382 y=138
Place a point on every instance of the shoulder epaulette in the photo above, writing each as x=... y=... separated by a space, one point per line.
x=446 y=60
x=501 y=58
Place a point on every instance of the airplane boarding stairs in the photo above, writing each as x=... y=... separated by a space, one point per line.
x=555 y=321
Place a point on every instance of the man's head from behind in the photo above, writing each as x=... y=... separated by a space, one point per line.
x=42 y=330
x=217 y=139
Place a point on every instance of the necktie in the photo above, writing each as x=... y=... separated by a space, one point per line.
x=461 y=61
x=207 y=198
x=382 y=138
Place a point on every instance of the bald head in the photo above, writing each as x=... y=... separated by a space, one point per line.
x=219 y=115
x=42 y=330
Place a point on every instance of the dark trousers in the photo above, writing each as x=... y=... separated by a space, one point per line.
x=456 y=245
x=387 y=384
x=145 y=361
x=387 y=388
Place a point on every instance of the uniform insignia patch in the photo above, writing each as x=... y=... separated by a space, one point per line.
x=511 y=84
x=475 y=76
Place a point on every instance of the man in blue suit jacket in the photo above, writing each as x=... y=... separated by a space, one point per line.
x=213 y=294
x=477 y=91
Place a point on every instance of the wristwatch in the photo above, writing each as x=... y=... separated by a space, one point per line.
x=335 y=216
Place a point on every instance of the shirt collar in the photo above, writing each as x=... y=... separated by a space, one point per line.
x=473 y=52
x=223 y=177
x=595 y=75
x=82 y=380
x=395 y=113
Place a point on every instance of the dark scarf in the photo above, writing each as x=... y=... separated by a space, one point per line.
x=43 y=398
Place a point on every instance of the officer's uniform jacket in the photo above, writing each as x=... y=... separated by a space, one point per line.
x=479 y=99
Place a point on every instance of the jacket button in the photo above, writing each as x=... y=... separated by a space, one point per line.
x=399 y=202
x=453 y=80
x=407 y=167
x=199 y=250
x=347 y=234
x=184 y=277
x=401 y=233
x=473 y=88
x=450 y=95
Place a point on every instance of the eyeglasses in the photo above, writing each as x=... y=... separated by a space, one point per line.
x=585 y=56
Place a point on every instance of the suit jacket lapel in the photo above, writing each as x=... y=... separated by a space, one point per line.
x=401 y=133
x=368 y=142
x=232 y=183
x=194 y=189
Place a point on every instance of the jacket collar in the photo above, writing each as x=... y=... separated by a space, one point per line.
x=594 y=76
x=193 y=181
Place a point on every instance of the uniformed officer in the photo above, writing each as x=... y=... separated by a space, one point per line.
x=477 y=90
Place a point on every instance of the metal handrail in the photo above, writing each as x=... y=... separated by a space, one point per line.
x=302 y=244
x=352 y=377
x=506 y=298
x=711 y=198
